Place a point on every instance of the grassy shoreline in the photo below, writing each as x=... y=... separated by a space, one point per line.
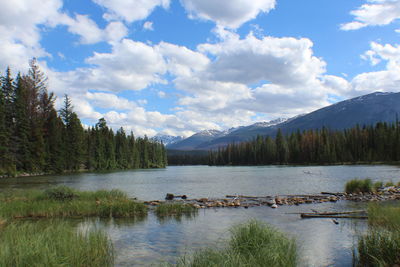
x=64 y=202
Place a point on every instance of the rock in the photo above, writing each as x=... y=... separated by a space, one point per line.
x=274 y=206
x=203 y=200
x=237 y=203
x=197 y=206
x=169 y=196
x=184 y=197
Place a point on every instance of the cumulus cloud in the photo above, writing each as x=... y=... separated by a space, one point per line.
x=375 y=13
x=130 y=66
x=132 y=10
x=227 y=13
x=386 y=80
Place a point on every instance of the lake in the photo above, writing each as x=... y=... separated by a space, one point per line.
x=151 y=241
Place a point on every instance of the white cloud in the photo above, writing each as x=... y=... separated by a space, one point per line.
x=132 y=10
x=227 y=13
x=375 y=13
x=19 y=34
x=130 y=66
x=386 y=80
x=148 y=25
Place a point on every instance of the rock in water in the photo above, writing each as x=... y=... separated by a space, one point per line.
x=274 y=206
x=169 y=196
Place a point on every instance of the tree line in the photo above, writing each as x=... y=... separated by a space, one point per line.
x=35 y=138
x=367 y=144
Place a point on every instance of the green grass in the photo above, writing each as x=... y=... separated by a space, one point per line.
x=384 y=216
x=65 y=202
x=252 y=244
x=54 y=244
x=359 y=186
x=175 y=210
x=377 y=185
x=381 y=245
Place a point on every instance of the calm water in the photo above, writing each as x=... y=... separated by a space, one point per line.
x=150 y=241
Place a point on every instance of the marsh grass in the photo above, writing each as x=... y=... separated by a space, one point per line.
x=384 y=215
x=53 y=244
x=251 y=244
x=65 y=202
x=175 y=210
x=381 y=245
x=359 y=186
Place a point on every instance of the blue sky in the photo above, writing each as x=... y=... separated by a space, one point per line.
x=181 y=66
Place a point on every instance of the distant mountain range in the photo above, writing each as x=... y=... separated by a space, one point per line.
x=364 y=110
x=167 y=139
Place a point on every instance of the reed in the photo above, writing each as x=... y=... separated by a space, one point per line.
x=251 y=244
x=359 y=186
x=175 y=210
x=53 y=244
x=381 y=245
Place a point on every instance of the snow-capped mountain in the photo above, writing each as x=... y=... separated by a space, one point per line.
x=363 y=110
x=167 y=139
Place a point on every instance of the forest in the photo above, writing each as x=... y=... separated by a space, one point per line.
x=378 y=143
x=35 y=138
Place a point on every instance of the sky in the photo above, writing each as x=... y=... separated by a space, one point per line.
x=177 y=67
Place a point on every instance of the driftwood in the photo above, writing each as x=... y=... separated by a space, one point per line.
x=329 y=213
x=313 y=215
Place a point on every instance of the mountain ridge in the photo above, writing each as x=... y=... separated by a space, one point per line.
x=363 y=110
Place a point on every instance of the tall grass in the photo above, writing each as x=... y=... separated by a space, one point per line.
x=381 y=245
x=65 y=202
x=54 y=244
x=359 y=186
x=384 y=216
x=172 y=209
x=251 y=244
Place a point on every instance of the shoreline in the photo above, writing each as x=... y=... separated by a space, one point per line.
x=236 y=201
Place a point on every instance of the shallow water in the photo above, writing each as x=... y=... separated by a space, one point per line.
x=150 y=241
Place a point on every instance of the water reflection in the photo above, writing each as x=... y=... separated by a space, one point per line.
x=153 y=240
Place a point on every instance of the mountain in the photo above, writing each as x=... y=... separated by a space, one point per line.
x=195 y=140
x=364 y=110
x=167 y=139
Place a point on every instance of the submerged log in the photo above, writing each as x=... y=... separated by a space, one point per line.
x=313 y=215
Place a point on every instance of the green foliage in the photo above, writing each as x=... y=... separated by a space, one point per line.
x=53 y=244
x=359 y=186
x=251 y=244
